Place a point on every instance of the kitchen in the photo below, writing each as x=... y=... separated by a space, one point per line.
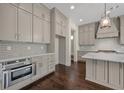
x=43 y=41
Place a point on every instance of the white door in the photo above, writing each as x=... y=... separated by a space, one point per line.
x=25 y=26
x=8 y=22
x=37 y=29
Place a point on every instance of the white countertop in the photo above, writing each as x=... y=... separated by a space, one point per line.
x=5 y=58
x=114 y=57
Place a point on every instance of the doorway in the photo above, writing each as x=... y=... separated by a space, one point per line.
x=72 y=46
x=60 y=50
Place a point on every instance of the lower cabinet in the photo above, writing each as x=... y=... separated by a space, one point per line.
x=109 y=74
x=116 y=74
x=101 y=71
x=90 y=69
x=44 y=65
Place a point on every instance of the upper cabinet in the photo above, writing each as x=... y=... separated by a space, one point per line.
x=87 y=34
x=122 y=29
x=46 y=31
x=26 y=6
x=25 y=22
x=41 y=11
x=41 y=29
x=24 y=26
x=37 y=30
x=8 y=22
x=60 y=22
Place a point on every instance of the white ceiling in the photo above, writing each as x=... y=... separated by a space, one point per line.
x=89 y=12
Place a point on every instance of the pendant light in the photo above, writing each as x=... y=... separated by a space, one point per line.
x=105 y=21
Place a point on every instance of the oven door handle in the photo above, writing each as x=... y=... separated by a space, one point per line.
x=21 y=68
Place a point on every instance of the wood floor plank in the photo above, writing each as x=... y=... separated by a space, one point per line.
x=66 y=78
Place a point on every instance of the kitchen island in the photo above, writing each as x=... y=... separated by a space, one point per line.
x=105 y=68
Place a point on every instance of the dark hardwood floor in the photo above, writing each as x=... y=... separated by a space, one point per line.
x=66 y=78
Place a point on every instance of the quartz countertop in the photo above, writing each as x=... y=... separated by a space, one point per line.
x=114 y=57
x=5 y=58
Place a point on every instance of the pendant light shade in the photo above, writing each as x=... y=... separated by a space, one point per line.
x=105 y=21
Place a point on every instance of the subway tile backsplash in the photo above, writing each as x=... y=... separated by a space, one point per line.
x=21 y=49
x=105 y=44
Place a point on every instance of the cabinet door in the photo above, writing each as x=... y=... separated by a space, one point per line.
x=101 y=71
x=64 y=30
x=81 y=34
x=45 y=63
x=87 y=34
x=58 y=29
x=91 y=30
x=116 y=74
x=122 y=29
x=46 y=31
x=8 y=24
x=37 y=10
x=37 y=29
x=25 y=26
x=90 y=69
x=45 y=12
x=26 y=6
x=51 y=63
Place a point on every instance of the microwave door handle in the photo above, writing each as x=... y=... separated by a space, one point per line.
x=20 y=68
x=5 y=81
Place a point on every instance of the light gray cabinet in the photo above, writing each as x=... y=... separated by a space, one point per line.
x=87 y=34
x=60 y=23
x=122 y=29
x=37 y=29
x=19 y=23
x=46 y=31
x=101 y=71
x=44 y=64
x=116 y=74
x=24 y=26
x=90 y=69
x=26 y=6
x=41 y=11
x=107 y=73
x=41 y=26
x=8 y=24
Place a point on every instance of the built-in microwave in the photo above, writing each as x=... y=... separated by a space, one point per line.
x=17 y=73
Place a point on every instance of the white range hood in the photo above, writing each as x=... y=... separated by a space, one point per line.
x=108 y=32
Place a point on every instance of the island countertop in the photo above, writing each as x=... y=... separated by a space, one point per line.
x=114 y=57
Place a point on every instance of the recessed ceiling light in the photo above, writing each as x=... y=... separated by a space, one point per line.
x=81 y=20
x=72 y=7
